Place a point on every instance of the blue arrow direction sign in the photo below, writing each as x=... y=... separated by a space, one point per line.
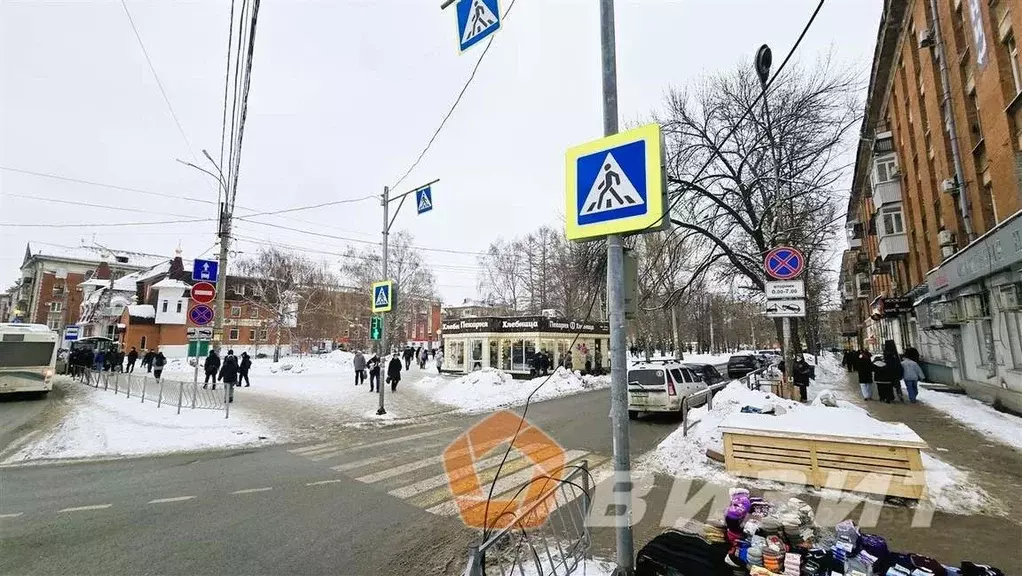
x=205 y=270
x=477 y=19
x=424 y=200
x=201 y=314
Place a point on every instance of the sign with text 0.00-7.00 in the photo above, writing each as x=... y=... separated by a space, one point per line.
x=780 y=289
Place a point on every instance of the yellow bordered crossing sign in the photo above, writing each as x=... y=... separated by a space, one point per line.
x=616 y=185
x=383 y=296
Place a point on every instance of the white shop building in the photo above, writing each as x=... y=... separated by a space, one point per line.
x=511 y=344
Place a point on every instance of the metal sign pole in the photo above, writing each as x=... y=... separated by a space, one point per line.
x=618 y=325
x=383 y=324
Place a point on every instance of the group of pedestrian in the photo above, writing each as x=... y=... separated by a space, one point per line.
x=98 y=360
x=232 y=371
x=886 y=372
x=374 y=366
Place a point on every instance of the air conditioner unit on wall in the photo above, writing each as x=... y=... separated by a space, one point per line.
x=949 y=186
x=946 y=238
x=1009 y=297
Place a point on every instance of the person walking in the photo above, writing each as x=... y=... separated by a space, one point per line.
x=211 y=367
x=359 y=364
x=912 y=373
x=243 y=368
x=409 y=353
x=98 y=360
x=228 y=374
x=147 y=360
x=887 y=372
x=423 y=358
x=394 y=371
x=374 y=372
x=159 y=361
x=802 y=375
x=864 y=366
x=439 y=360
x=132 y=358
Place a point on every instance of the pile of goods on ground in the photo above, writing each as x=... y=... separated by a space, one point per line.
x=759 y=538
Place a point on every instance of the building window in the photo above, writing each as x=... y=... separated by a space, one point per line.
x=892 y=220
x=232 y=334
x=142 y=343
x=1016 y=73
x=235 y=311
x=253 y=311
x=164 y=306
x=251 y=335
x=1013 y=320
x=56 y=306
x=53 y=323
x=58 y=289
x=972 y=112
x=180 y=303
x=886 y=171
x=263 y=336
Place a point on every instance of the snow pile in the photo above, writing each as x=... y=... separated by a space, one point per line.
x=588 y=567
x=102 y=424
x=948 y=488
x=490 y=389
x=974 y=414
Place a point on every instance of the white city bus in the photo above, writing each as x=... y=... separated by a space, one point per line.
x=28 y=355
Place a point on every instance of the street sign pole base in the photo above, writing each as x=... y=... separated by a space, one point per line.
x=381 y=412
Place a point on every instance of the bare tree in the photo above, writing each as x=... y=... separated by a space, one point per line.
x=285 y=287
x=415 y=282
x=501 y=275
x=725 y=191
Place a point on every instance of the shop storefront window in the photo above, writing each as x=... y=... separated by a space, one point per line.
x=477 y=355
x=562 y=348
x=505 y=354
x=494 y=353
x=530 y=353
x=518 y=356
x=456 y=354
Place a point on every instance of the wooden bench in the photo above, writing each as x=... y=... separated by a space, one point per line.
x=851 y=452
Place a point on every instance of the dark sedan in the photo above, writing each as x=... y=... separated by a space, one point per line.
x=707 y=372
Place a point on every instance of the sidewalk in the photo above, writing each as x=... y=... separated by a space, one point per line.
x=994 y=466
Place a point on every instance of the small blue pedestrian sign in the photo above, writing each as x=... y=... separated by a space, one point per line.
x=71 y=333
x=424 y=200
x=205 y=270
x=201 y=314
x=383 y=296
x=477 y=19
x=612 y=184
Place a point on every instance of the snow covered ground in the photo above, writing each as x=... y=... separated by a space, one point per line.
x=490 y=389
x=948 y=488
x=102 y=424
x=974 y=414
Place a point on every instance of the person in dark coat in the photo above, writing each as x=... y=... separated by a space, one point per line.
x=394 y=372
x=147 y=360
x=132 y=358
x=211 y=367
x=229 y=374
x=374 y=372
x=243 y=368
x=359 y=364
x=802 y=375
x=887 y=372
x=863 y=364
x=159 y=361
x=408 y=354
x=98 y=360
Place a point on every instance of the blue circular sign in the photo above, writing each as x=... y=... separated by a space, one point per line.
x=784 y=263
x=201 y=314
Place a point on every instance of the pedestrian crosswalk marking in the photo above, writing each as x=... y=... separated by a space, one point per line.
x=360 y=463
x=440 y=480
x=340 y=446
x=480 y=17
x=611 y=190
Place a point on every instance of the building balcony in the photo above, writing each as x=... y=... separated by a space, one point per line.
x=893 y=247
x=886 y=193
x=854 y=243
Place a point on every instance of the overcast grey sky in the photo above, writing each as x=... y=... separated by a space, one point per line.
x=344 y=95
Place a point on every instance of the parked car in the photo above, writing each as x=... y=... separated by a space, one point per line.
x=740 y=365
x=661 y=387
x=707 y=372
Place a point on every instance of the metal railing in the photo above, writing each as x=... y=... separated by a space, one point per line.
x=160 y=391
x=706 y=396
x=556 y=547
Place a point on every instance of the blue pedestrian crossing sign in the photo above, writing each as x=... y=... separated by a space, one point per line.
x=615 y=185
x=424 y=200
x=383 y=296
x=477 y=19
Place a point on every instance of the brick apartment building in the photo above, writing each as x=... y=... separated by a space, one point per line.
x=935 y=212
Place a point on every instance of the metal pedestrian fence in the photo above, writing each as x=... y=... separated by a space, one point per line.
x=163 y=391
x=705 y=396
x=556 y=547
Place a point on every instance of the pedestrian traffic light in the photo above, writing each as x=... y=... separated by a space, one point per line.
x=376 y=328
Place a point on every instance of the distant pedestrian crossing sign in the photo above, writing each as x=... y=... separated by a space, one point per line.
x=424 y=200
x=383 y=296
x=477 y=19
x=615 y=185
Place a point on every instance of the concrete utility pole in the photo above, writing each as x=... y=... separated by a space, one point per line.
x=625 y=557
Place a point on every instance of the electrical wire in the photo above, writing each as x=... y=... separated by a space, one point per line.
x=227 y=81
x=89 y=205
x=105 y=224
x=457 y=101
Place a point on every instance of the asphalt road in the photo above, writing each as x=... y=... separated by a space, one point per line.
x=336 y=506
x=22 y=413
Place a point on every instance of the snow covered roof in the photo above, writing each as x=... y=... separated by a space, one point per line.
x=94 y=254
x=142 y=311
x=95 y=282
x=169 y=283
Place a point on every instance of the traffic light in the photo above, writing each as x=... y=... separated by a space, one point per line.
x=376 y=328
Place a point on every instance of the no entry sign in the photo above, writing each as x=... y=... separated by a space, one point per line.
x=203 y=293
